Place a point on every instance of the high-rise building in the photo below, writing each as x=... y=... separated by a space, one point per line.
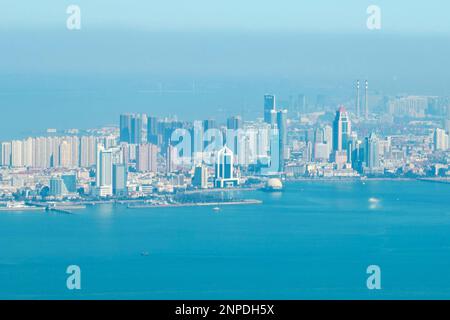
x=104 y=172
x=341 y=130
x=63 y=186
x=269 y=105
x=282 y=128
x=447 y=120
x=69 y=182
x=328 y=138
x=200 y=179
x=171 y=159
x=125 y=128
x=5 y=154
x=133 y=128
x=146 y=158
x=16 y=153
x=302 y=106
x=65 y=154
x=152 y=131
x=119 y=183
x=224 y=175
x=56 y=187
x=441 y=140
x=234 y=123
x=372 y=149
x=88 y=152
x=209 y=124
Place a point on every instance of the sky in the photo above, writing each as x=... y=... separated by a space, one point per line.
x=146 y=56
x=399 y=16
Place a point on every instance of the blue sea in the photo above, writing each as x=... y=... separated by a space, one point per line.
x=313 y=241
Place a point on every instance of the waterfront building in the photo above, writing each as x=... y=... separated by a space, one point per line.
x=56 y=187
x=224 y=172
x=372 y=149
x=104 y=172
x=70 y=182
x=120 y=176
x=200 y=178
x=282 y=128
x=321 y=151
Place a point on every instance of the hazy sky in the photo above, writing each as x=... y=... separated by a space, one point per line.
x=404 y=16
x=233 y=50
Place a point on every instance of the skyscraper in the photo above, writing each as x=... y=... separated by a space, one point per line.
x=5 y=154
x=146 y=158
x=171 y=159
x=104 y=172
x=139 y=128
x=133 y=128
x=234 y=123
x=282 y=128
x=88 y=152
x=372 y=149
x=209 y=124
x=152 y=130
x=269 y=105
x=200 y=179
x=341 y=130
x=224 y=175
x=440 y=140
x=125 y=128
x=119 y=184
x=16 y=153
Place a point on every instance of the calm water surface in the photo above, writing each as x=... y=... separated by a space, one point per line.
x=315 y=240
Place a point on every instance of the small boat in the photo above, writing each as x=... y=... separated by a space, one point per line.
x=145 y=253
x=216 y=209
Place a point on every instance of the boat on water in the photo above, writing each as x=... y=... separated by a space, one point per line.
x=216 y=209
x=145 y=253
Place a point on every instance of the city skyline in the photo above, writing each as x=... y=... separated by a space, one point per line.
x=283 y=143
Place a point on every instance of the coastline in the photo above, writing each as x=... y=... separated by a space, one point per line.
x=196 y=204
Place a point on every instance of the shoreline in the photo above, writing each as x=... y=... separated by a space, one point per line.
x=196 y=204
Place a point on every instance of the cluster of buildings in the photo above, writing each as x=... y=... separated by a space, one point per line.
x=146 y=155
